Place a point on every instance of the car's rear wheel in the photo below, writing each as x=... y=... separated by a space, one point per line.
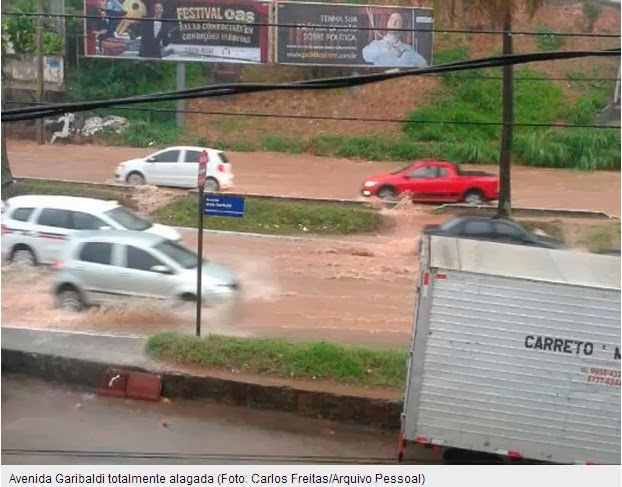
x=387 y=193
x=68 y=298
x=211 y=185
x=23 y=256
x=474 y=197
x=136 y=179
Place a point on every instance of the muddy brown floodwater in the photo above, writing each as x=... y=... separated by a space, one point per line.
x=316 y=177
x=356 y=290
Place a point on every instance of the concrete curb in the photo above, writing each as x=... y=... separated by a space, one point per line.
x=303 y=238
x=88 y=373
x=522 y=211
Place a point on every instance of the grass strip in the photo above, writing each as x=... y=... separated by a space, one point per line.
x=277 y=217
x=282 y=358
x=124 y=196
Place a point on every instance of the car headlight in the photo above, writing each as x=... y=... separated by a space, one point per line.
x=369 y=184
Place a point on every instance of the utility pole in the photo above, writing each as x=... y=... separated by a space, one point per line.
x=40 y=78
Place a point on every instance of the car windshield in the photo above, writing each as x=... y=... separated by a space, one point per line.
x=127 y=219
x=401 y=169
x=184 y=257
x=449 y=224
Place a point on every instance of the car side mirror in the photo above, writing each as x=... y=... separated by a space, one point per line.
x=161 y=269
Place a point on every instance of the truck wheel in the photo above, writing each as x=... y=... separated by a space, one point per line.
x=386 y=193
x=474 y=197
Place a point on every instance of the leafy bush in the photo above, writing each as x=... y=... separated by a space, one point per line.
x=278 y=143
x=145 y=134
x=21 y=30
x=236 y=146
x=547 y=41
x=585 y=149
x=592 y=99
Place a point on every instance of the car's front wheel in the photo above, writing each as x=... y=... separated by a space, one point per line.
x=68 y=298
x=474 y=197
x=136 y=179
x=387 y=193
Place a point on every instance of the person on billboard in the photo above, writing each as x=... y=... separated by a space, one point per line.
x=98 y=25
x=390 y=50
x=154 y=34
x=115 y=11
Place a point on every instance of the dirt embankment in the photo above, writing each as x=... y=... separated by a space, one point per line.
x=396 y=98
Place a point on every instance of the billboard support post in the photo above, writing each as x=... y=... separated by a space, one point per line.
x=201 y=177
x=180 y=84
x=40 y=72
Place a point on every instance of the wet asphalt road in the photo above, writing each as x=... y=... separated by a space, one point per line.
x=50 y=424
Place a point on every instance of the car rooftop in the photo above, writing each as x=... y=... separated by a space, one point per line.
x=144 y=239
x=62 y=202
x=189 y=147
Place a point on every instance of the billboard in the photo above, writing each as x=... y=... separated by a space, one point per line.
x=353 y=35
x=191 y=30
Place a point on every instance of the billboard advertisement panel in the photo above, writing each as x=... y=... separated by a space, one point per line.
x=331 y=34
x=190 y=30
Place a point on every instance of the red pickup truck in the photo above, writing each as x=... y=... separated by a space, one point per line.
x=434 y=181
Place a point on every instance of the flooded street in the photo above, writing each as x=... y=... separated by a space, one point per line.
x=355 y=290
x=304 y=175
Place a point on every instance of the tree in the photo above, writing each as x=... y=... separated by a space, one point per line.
x=500 y=14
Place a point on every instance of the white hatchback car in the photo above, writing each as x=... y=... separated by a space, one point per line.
x=177 y=166
x=35 y=228
x=105 y=267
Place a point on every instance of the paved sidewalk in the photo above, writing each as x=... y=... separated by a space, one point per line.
x=118 y=349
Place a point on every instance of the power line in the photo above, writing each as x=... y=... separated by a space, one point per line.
x=13 y=115
x=324 y=27
x=353 y=119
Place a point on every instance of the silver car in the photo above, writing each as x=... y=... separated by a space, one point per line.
x=107 y=266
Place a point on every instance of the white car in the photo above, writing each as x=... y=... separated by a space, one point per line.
x=177 y=166
x=104 y=267
x=35 y=228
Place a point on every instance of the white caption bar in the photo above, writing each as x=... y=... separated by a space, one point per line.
x=287 y=475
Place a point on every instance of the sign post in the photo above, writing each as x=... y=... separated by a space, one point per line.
x=216 y=205
x=201 y=186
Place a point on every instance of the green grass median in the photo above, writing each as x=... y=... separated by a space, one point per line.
x=281 y=358
x=278 y=217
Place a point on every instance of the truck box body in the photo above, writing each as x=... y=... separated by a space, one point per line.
x=516 y=351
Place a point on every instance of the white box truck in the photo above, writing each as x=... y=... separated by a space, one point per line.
x=516 y=352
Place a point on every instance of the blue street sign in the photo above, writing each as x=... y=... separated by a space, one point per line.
x=223 y=205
